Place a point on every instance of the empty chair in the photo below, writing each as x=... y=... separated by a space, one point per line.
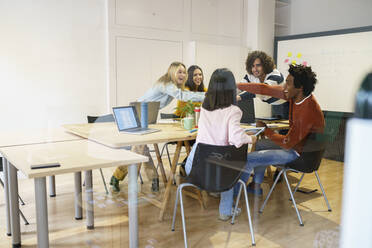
x=215 y=169
x=308 y=162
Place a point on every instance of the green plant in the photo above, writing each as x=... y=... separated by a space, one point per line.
x=187 y=109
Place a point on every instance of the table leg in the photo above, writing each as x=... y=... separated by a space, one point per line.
x=160 y=163
x=78 y=196
x=132 y=205
x=52 y=186
x=41 y=212
x=6 y=194
x=89 y=199
x=171 y=176
x=187 y=146
x=14 y=205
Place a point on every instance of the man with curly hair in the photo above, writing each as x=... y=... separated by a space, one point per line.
x=261 y=69
x=305 y=117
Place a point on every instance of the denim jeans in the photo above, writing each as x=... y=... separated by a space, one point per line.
x=257 y=161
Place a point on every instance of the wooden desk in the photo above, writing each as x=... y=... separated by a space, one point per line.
x=35 y=136
x=28 y=137
x=74 y=157
x=108 y=134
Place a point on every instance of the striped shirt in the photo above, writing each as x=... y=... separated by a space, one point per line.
x=273 y=78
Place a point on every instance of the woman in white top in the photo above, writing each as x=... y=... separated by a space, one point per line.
x=167 y=87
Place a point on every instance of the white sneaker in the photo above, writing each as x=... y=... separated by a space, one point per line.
x=224 y=217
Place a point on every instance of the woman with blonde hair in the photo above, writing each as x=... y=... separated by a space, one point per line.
x=169 y=86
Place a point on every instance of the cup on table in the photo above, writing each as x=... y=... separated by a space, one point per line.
x=187 y=123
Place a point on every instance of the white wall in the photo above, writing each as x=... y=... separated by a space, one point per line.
x=325 y=15
x=62 y=60
x=52 y=62
x=260 y=18
x=146 y=37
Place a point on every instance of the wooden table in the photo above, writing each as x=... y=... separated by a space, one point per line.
x=28 y=137
x=74 y=157
x=108 y=134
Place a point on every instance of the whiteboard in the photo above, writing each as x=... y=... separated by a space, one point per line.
x=340 y=59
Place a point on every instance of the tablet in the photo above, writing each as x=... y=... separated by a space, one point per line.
x=255 y=130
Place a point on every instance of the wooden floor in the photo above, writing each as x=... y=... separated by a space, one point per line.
x=277 y=226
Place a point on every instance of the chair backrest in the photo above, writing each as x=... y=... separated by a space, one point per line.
x=102 y=118
x=217 y=168
x=312 y=153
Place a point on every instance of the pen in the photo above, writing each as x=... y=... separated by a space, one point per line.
x=193 y=130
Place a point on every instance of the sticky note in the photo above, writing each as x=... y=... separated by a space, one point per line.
x=289 y=54
x=304 y=63
x=286 y=60
x=293 y=62
x=299 y=55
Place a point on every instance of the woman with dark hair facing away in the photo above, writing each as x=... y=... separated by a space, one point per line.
x=169 y=86
x=194 y=83
x=219 y=124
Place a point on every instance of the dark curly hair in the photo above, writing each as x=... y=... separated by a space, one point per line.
x=303 y=76
x=190 y=83
x=267 y=62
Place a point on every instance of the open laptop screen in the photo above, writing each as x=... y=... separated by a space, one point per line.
x=247 y=107
x=126 y=117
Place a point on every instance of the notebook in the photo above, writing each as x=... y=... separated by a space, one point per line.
x=127 y=120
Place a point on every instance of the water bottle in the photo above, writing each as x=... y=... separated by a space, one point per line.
x=197 y=116
x=144 y=114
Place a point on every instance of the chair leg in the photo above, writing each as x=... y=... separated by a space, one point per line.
x=321 y=187
x=175 y=208
x=23 y=217
x=104 y=181
x=183 y=218
x=293 y=200
x=236 y=203
x=242 y=186
x=169 y=160
x=140 y=176
x=298 y=184
x=271 y=190
x=249 y=215
x=22 y=203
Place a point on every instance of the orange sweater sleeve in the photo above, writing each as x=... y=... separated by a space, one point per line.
x=303 y=125
x=276 y=91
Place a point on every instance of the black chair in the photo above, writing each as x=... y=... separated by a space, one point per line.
x=215 y=169
x=308 y=162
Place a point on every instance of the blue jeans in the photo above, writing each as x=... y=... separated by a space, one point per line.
x=257 y=161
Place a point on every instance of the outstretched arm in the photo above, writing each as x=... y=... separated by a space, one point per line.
x=172 y=90
x=276 y=91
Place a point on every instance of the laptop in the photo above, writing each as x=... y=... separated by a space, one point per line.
x=127 y=120
x=268 y=118
x=153 y=109
x=247 y=107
